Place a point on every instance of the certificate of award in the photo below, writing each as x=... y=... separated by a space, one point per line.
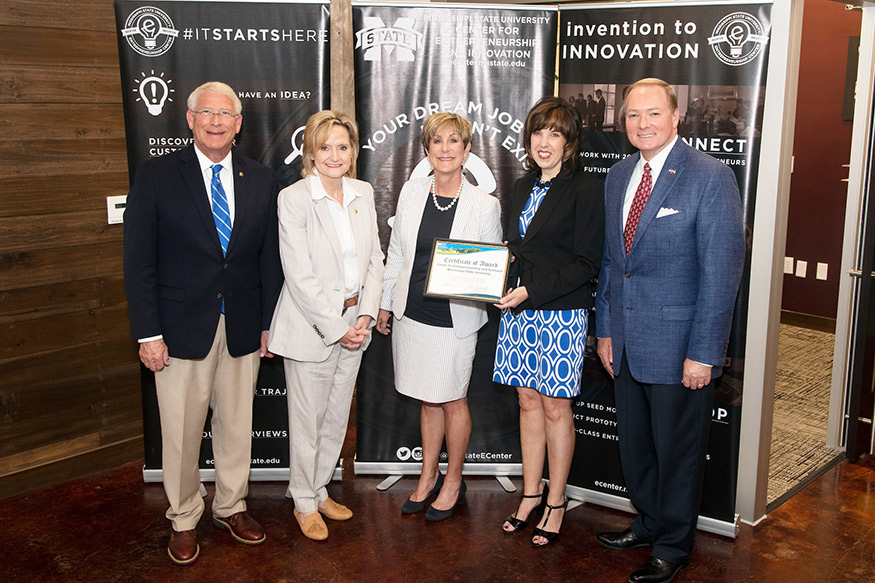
x=467 y=270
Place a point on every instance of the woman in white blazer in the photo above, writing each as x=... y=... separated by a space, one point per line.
x=434 y=340
x=333 y=268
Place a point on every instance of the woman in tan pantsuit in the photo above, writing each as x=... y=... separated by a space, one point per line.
x=434 y=340
x=333 y=270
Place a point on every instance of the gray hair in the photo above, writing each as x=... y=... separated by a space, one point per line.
x=217 y=88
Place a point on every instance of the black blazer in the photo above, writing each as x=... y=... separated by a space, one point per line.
x=175 y=275
x=562 y=251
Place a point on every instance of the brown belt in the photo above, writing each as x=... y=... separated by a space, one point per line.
x=348 y=303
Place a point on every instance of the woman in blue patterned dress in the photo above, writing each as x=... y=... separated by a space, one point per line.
x=555 y=233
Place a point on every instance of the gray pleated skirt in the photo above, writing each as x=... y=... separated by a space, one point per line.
x=431 y=363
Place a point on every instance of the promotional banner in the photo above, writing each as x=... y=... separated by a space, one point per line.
x=275 y=56
x=490 y=65
x=715 y=58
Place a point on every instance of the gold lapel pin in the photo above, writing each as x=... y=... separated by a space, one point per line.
x=356 y=211
x=240 y=174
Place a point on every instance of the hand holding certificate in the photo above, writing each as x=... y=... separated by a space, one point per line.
x=467 y=270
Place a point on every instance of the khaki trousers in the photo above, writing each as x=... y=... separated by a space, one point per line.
x=186 y=390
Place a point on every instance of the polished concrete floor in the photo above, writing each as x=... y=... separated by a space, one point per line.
x=110 y=527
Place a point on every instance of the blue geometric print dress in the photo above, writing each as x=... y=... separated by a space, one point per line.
x=541 y=349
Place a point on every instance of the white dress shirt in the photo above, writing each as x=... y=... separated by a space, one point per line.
x=656 y=165
x=226 y=175
x=343 y=226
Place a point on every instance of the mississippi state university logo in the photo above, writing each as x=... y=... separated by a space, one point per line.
x=400 y=39
x=149 y=31
x=738 y=39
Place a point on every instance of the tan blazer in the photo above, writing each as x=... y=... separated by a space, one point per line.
x=307 y=321
x=478 y=218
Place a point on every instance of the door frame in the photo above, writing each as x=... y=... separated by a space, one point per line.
x=849 y=285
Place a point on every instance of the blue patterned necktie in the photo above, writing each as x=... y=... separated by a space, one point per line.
x=221 y=210
x=221 y=213
x=539 y=191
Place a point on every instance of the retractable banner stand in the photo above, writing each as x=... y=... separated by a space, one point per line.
x=715 y=57
x=275 y=55
x=489 y=65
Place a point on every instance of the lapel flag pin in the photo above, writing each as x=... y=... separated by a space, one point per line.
x=670 y=171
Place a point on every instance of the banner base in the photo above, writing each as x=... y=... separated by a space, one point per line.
x=705 y=523
x=255 y=475
x=405 y=469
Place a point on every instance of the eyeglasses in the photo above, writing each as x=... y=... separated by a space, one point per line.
x=224 y=113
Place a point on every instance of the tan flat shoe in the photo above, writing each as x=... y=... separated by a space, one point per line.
x=312 y=525
x=334 y=511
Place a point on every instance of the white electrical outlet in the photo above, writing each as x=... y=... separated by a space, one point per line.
x=115 y=209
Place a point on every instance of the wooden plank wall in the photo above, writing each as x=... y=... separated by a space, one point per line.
x=69 y=374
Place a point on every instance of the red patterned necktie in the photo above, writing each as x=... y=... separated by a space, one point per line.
x=641 y=196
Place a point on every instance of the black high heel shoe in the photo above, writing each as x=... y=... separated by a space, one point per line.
x=433 y=514
x=411 y=507
x=546 y=534
x=519 y=524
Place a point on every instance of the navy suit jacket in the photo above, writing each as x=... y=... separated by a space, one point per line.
x=175 y=274
x=672 y=298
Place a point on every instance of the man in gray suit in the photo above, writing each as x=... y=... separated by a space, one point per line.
x=674 y=254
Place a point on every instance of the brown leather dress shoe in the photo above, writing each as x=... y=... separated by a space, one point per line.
x=243 y=528
x=183 y=548
x=334 y=511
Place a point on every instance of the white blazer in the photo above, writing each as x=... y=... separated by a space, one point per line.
x=307 y=321
x=478 y=218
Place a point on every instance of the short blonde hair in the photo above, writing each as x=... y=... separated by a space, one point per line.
x=216 y=88
x=443 y=120
x=317 y=131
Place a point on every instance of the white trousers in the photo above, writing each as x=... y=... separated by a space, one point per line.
x=319 y=395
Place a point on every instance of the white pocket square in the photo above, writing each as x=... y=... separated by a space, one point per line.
x=665 y=211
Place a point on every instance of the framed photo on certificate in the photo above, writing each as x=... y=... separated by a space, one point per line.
x=467 y=270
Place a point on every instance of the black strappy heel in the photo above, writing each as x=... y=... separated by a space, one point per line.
x=546 y=534
x=517 y=524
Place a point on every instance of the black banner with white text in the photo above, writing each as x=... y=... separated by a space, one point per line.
x=275 y=56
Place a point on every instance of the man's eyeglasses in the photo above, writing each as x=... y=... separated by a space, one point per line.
x=209 y=113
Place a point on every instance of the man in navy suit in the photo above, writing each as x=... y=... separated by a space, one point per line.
x=674 y=253
x=202 y=276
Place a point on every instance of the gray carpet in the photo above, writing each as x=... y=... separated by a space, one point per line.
x=799 y=452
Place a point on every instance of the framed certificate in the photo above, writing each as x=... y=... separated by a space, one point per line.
x=467 y=270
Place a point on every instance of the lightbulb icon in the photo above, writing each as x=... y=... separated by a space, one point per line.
x=737 y=36
x=149 y=27
x=154 y=92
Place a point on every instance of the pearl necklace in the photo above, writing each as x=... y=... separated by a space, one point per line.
x=434 y=195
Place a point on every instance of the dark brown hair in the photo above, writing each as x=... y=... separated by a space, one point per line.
x=556 y=114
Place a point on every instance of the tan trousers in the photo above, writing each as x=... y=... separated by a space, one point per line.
x=319 y=396
x=186 y=390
